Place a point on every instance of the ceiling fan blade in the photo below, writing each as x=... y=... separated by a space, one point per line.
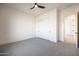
x=41 y=6
x=33 y=7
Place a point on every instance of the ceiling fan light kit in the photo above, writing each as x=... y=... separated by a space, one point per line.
x=36 y=6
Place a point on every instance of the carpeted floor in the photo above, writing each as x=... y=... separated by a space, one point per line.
x=38 y=47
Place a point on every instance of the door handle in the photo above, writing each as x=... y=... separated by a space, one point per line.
x=72 y=35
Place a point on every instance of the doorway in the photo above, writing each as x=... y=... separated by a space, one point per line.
x=70 y=29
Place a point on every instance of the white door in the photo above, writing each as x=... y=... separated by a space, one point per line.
x=70 y=27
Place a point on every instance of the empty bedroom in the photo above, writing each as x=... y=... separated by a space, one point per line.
x=39 y=29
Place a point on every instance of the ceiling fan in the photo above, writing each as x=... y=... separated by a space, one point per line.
x=36 y=5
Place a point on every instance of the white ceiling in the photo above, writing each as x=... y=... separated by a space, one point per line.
x=25 y=7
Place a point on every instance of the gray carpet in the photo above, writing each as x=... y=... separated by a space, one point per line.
x=38 y=47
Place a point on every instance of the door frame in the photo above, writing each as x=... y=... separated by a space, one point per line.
x=77 y=17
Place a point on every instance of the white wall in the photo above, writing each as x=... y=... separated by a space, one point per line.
x=15 y=25
x=46 y=25
x=64 y=13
